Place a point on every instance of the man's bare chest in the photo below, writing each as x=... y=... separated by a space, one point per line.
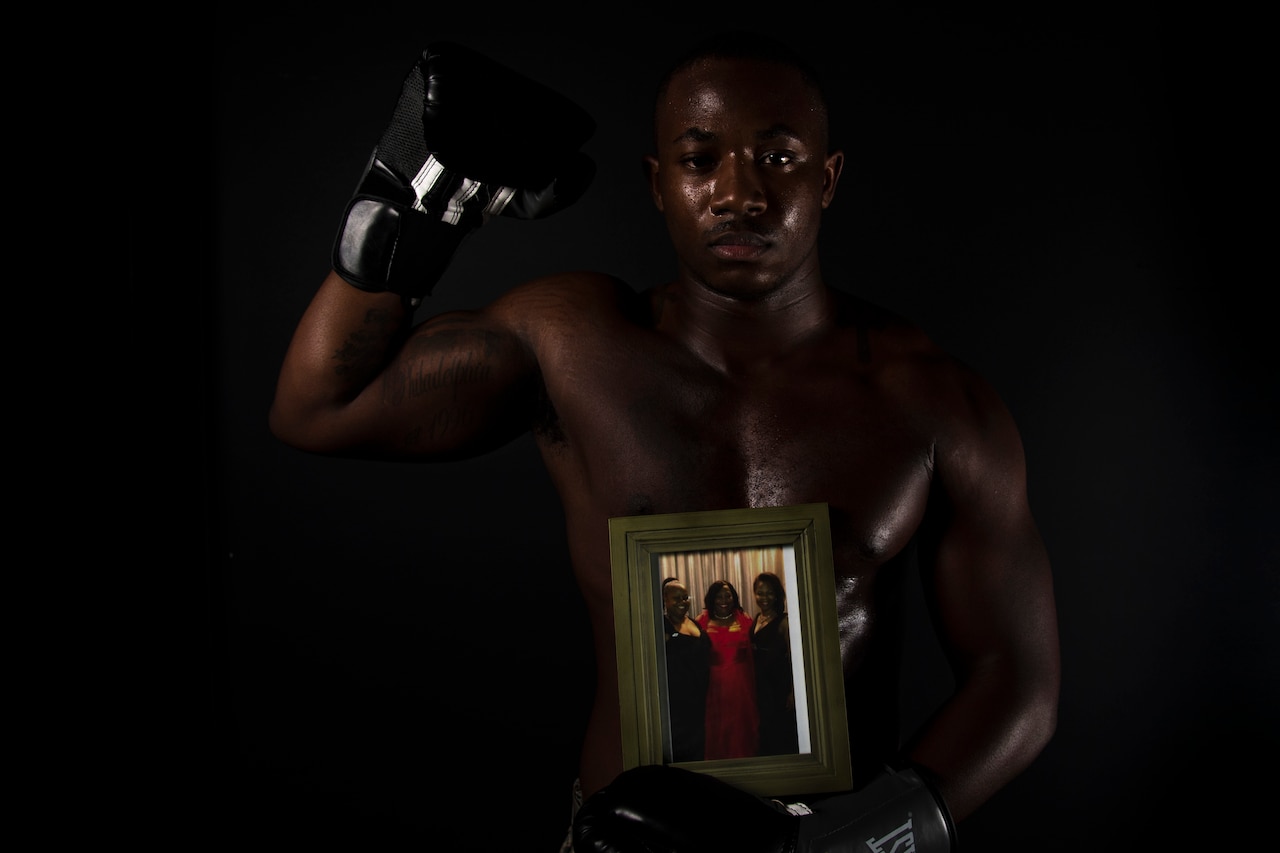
x=653 y=441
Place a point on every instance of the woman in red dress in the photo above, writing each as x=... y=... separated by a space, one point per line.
x=733 y=722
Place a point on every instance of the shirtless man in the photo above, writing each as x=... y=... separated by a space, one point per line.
x=746 y=381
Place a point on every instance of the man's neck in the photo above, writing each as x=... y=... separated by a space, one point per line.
x=735 y=334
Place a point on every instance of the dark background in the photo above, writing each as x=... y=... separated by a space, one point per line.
x=397 y=654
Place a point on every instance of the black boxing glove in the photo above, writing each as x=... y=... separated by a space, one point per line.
x=661 y=809
x=469 y=139
x=655 y=808
x=898 y=811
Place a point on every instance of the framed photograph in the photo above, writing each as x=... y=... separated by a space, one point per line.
x=784 y=552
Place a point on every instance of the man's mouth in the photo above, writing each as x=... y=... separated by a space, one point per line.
x=739 y=245
x=739 y=238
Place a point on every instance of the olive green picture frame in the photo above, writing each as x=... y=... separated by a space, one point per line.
x=636 y=544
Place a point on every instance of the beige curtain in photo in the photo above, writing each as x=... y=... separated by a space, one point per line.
x=698 y=569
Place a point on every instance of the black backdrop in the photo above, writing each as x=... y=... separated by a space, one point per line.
x=398 y=654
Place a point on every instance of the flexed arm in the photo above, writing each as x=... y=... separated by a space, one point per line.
x=357 y=382
x=469 y=139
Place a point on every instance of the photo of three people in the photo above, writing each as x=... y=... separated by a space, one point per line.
x=731 y=688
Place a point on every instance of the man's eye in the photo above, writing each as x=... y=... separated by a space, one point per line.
x=696 y=161
x=778 y=158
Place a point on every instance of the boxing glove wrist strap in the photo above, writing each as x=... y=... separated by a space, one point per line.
x=386 y=246
x=389 y=240
x=450 y=159
x=899 y=810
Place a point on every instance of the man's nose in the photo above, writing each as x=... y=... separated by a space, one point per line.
x=738 y=188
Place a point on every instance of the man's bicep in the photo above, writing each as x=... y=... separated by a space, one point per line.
x=462 y=384
x=456 y=385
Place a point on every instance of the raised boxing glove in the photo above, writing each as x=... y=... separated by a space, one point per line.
x=469 y=139
x=661 y=809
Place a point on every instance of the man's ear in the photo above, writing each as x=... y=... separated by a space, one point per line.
x=649 y=165
x=831 y=176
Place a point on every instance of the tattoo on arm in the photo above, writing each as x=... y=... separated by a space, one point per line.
x=439 y=366
x=366 y=347
x=444 y=373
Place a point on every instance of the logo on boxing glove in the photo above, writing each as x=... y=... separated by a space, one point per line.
x=903 y=840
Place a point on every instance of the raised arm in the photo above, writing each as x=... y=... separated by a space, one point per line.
x=356 y=380
x=987 y=578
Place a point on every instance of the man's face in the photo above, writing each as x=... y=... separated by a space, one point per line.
x=742 y=174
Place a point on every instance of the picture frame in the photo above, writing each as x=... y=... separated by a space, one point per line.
x=641 y=550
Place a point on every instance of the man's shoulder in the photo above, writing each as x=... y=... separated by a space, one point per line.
x=565 y=301
x=910 y=362
x=885 y=336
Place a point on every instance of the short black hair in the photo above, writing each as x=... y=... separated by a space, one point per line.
x=744 y=44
